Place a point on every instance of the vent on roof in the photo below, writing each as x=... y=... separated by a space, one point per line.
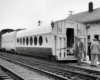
x=90 y=7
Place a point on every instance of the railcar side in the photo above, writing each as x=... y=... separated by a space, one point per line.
x=43 y=42
x=8 y=41
x=35 y=45
x=36 y=42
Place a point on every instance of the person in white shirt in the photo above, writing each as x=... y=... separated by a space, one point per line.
x=94 y=52
x=99 y=52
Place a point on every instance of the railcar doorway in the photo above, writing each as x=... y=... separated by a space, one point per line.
x=70 y=37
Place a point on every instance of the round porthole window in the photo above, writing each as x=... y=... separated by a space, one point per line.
x=23 y=41
x=35 y=40
x=31 y=41
x=27 y=41
x=40 y=40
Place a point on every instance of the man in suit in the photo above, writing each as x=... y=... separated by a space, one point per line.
x=80 y=51
x=89 y=50
x=94 y=52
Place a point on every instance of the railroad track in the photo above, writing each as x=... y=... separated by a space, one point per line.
x=4 y=75
x=8 y=75
x=63 y=72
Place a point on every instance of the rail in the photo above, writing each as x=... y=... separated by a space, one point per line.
x=62 y=73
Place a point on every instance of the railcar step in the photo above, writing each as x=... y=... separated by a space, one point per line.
x=8 y=79
x=3 y=75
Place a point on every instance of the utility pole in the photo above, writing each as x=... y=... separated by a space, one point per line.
x=70 y=12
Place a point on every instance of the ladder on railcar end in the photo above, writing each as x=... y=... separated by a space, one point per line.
x=60 y=47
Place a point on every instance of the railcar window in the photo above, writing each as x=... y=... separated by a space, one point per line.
x=20 y=41
x=64 y=54
x=60 y=54
x=88 y=36
x=23 y=41
x=27 y=41
x=31 y=41
x=17 y=40
x=35 y=40
x=40 y=40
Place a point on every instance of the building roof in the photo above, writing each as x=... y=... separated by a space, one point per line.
x=86 y=17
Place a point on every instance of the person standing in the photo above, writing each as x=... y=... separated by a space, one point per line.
x=94 y=52
x=80 y=51
x=76 y=48
x=89 y=50
x=99 y=52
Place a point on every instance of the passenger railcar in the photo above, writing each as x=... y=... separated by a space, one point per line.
x=9 y=41
x=46 y=42
x=37 y=42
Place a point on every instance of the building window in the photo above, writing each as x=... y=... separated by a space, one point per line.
x=23 y=41
x=40 y=40
x=96 y=36
x=35 y=40
x=88 y=37
x=27 y=41
x=31 y=41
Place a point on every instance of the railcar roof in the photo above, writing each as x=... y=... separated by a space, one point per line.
x=8 y=33
x=36 y=31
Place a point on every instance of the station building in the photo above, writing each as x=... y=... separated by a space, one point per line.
x=85 y=25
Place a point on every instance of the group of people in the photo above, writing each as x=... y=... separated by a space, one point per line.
x=93 y=51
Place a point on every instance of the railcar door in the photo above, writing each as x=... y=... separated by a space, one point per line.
x=70 y=37
x=70 y=40
x=70 y=44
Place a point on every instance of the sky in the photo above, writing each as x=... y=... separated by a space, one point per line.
x=15 y=14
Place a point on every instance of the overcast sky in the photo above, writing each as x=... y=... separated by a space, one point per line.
x=26 y=13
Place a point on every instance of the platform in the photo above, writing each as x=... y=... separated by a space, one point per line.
x=22 y=72
x=87 y=65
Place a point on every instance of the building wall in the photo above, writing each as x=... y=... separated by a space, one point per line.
x=94 y=30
